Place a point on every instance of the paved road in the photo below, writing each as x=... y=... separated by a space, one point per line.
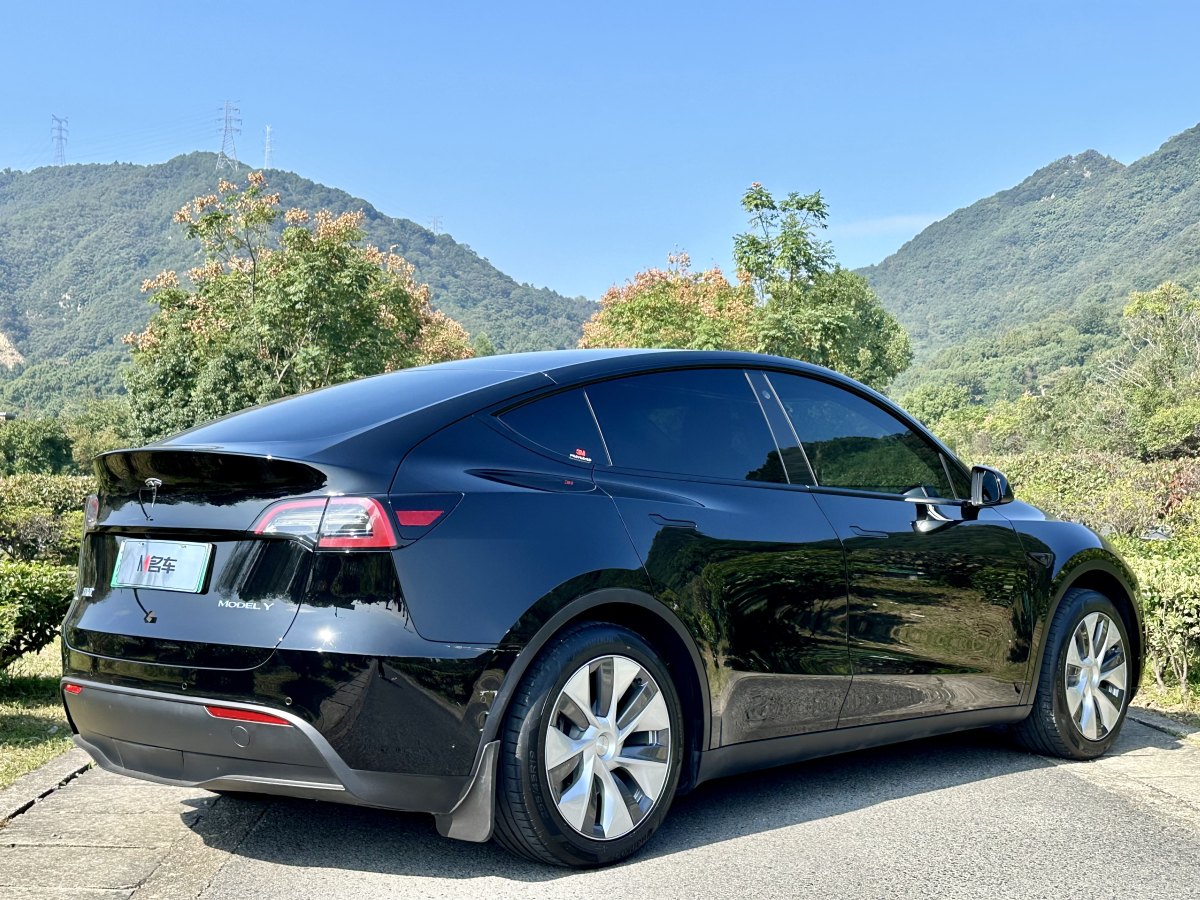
x=952 y=817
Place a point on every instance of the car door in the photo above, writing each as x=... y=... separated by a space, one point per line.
x=939 y=594
x=750 y=564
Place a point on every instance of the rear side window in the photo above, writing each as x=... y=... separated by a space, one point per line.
x=703 y=422
x=852 y=443
x=563 y=424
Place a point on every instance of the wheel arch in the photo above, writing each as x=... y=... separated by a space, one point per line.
x=1100 y=570
x=641 y=613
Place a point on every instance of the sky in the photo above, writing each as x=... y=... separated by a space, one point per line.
x=575 y=144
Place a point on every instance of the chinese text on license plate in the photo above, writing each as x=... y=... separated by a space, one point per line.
x=164 y=565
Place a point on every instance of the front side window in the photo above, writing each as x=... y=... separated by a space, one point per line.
x=704 y=422
x=852 y=443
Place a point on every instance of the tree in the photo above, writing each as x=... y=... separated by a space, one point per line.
x=677 y=308
x=96 y=427
x=813 y=309
x=779 y=251
x=791 y=300
x=836 y=321
x=1153 y=384
x=34 y=445
x=267 y=317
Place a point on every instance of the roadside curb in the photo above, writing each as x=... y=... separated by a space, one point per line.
x=41 y=782
x=1162 y=723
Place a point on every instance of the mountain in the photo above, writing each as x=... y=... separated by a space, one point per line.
x=77 y=241
x=1077 y=235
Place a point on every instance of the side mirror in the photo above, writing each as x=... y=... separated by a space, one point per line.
x=989 y=487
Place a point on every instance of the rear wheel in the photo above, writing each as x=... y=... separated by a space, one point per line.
x=591 y=750
x=1084 y=689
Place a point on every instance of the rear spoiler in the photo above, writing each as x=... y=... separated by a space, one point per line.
x=205 y=474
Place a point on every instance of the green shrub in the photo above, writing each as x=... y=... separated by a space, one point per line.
x=33 y=532
x=34 y=445
x=34 y=597
x=1114 y=495
x=58 y=493
x=1169 y=584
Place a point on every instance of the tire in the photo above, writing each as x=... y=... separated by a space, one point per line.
x=1078 y=710
x=577 y=787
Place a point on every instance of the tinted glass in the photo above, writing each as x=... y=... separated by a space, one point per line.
x=342 y=408
x=697 y=422
x=852 y=443
x=561 y=423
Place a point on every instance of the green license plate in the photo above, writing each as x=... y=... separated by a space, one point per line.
x=162 y=565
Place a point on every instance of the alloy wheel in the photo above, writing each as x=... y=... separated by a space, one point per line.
x=1097 y=677
x=608 y=747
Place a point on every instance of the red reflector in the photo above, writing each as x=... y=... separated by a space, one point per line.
x=245 y=715
x=73 y=688
x=417 y=518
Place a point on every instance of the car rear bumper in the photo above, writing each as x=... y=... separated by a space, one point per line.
x=176 y=740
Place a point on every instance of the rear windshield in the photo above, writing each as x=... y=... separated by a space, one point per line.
x=343 y=408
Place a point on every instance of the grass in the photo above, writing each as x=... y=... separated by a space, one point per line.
x=1183 y=706
x=33 y=728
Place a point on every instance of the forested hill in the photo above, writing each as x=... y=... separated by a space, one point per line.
x=77 y=241
x=1080 y=233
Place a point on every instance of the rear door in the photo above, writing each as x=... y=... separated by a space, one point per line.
x=747 y=561
x=939 y=617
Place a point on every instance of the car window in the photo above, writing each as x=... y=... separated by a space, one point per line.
x=696 y=422
x=852 y=443
x=563 y=424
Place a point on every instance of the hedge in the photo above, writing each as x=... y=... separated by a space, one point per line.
x=34 y=597
x=58 y=493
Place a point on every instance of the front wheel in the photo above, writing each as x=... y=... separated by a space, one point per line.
x=1084 y=688
x=591 y=750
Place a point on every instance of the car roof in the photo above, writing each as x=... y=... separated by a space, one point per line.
x=569 y=366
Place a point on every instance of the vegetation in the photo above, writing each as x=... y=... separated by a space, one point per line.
x=34 y=445
x=77 y=241
x=33 y=728
x=791 y=300
x=1082 y=232
x=1114 y=443
x=40 y=524
x=268 y=318
x=675 y=307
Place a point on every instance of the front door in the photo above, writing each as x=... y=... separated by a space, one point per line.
x=939 y=594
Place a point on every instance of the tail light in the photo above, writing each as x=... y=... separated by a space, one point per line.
x=357 y=523
x=91 y=512
x=345 y=523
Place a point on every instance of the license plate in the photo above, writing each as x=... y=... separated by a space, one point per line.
x=162 y=565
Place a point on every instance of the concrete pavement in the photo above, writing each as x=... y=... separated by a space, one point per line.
x=962 y=816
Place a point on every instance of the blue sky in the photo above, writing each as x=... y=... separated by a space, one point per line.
x=573 y=144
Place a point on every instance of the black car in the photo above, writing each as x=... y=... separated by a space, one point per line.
x=540 y=595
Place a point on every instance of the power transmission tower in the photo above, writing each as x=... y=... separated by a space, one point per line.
x=58 y=133
x=267 y=149
x=232 y=126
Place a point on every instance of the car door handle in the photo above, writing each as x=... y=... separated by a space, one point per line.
x=672 y=523
x=868 y=533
